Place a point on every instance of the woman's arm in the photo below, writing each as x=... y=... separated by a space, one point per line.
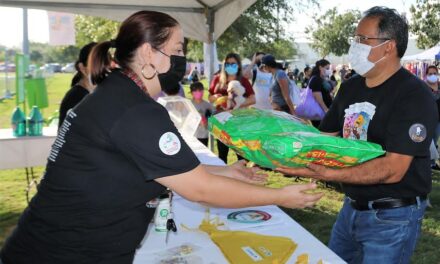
x=238 y=171
x=284 y=85
x=200 y=186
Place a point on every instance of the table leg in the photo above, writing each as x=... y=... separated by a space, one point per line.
x=30 y=178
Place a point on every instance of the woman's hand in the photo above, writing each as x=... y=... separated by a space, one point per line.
x=253 y=175
x=296 y=196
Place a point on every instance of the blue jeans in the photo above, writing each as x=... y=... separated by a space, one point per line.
x=377 y=236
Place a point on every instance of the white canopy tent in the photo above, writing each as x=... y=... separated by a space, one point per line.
x=203 y=20
x=427 y=55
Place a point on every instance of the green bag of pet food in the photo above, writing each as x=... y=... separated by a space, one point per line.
x=272 y=139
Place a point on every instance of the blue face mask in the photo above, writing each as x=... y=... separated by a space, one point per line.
x=231 y=69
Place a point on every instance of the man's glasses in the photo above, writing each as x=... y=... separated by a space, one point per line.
x=362 y=39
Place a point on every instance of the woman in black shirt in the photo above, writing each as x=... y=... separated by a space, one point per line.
x=80 y=86
x=316 y=83
x=117 y=150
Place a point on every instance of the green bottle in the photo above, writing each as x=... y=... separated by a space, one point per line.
x=35 y=122
x=18 y=122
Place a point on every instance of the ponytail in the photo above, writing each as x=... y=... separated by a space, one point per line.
x=76 y=78
x=100 y=61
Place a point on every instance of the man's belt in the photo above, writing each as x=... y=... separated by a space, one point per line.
x=384 y=203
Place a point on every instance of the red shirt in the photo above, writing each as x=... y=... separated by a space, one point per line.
x=246 y=84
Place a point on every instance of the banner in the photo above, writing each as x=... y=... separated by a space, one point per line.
x=36 y=93
x=61 y=28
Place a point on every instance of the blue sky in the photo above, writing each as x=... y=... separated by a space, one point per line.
x=11 y=25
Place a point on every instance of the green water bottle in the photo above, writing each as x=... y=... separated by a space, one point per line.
x=35 y=122
x=18 y=122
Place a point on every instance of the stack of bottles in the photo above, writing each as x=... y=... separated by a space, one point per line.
x=33 y=126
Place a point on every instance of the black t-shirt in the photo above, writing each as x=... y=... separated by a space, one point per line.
x=90 y=207
x=72 y=98
x=316 y=84
x=397 y=115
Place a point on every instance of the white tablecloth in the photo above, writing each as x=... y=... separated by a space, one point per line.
x=191 y=215
x=20 y=152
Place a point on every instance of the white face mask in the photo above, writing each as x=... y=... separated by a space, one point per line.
x=358 y=57
x=432 y=78
x=328 y=72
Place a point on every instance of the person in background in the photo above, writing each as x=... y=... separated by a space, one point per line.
x=81 y=84
x=280 y=89
x=333 y=79
x=307 y=75
x=195 y=75
x=432 y=80
x=120 y=150
x=204 y=108
x=321 y=90
x=261 y=82
x=342 y=72
x=231 y=70
x=385 y=198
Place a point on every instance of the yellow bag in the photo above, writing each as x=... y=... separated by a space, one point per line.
x=246 y=247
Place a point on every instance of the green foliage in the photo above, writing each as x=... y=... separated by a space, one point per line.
x=41 y=53
x=89 y=29
x=331 y=31
x=426 y=23
x=194 y=50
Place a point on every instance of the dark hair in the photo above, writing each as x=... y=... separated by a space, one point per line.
x=320 y=63
x=306 y=68
x=196 y=86
x=391 y=25
x=431 y=67
x=143 y=26
x=82 y=58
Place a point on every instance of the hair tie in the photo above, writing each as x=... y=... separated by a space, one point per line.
x=112 y=43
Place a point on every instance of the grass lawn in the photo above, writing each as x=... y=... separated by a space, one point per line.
x=317 y=220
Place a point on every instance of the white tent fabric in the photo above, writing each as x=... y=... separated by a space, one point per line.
x=427 y=55
x=198 y=18
x=203 y=20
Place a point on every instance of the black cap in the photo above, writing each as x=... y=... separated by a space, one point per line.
x=269 y=60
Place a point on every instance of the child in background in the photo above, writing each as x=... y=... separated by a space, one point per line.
x=204 y=108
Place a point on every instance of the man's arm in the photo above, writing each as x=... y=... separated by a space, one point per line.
x=385 y=170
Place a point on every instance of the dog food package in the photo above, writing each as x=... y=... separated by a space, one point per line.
x=272 y=139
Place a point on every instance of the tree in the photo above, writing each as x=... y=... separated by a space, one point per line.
x=260 y=28
x=332 y=31
x=44 y=53
x=426 y=23
x=89 y=28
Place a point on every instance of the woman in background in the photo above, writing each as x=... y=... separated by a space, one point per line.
x=231 y=70
x=322 y=95
x=81 y=84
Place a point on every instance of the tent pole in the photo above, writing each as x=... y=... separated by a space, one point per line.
x=210 y=15
x=25 y=32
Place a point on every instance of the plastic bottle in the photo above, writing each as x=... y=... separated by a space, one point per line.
x=18 y=122
x=161 y=215
x=35 y=122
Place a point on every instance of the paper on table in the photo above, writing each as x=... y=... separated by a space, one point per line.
x=275 y=219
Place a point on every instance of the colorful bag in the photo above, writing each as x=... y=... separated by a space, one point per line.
x=272 y=139
x=308 y=107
